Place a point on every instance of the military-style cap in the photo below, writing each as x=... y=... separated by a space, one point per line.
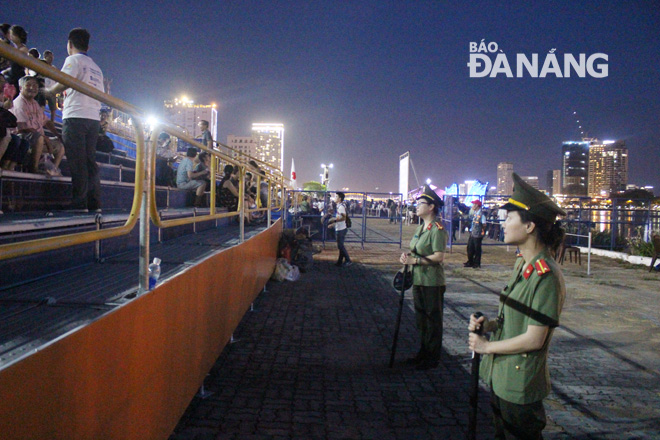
x=431 y=196
x=526 y=198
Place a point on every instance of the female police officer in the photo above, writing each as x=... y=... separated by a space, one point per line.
x=515 y=365
x=427 y=253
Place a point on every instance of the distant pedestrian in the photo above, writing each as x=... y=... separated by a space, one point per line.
x=515 y=361
x=477 y=231
x=427 y=252
x=339 y=224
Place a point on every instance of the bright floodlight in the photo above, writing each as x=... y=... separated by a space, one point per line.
x=428 y=181
x=322 y=165
x=330 y=166
x=151 y=121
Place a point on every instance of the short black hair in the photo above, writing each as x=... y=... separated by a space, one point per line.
x=79 y=38
x=192 y=152
x=341 y=195
x=229 y=169
x=163 y=136
x=19 y=32
x=205 y=122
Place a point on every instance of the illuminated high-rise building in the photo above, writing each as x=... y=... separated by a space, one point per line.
x=504 y=178
x=553 y=182
x=608 y=167
x=270 y=143
x=533 y=181
x=242 y=147
x=185 y=114
x=575 y=167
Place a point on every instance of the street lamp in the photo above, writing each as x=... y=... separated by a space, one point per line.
x=428 y=181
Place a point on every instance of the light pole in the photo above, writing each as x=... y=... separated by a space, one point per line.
x=326 y=175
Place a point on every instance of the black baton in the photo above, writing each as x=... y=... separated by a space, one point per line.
x=474 y=386
x=398 y=318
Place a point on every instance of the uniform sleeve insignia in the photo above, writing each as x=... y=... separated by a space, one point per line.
x=440 y=227
x=528 y=271
x=519 y=254
x=541 y=267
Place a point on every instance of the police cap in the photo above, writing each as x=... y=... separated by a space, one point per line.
x=526 y=198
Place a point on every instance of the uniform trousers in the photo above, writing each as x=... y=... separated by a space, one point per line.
x=80 y=136
x=429 y=301
x=514 y=421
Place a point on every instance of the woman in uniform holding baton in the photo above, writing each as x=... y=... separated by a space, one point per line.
x=515 y=357
x=427 y=251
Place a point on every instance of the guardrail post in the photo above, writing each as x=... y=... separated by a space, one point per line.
x=241 y=202
x=589 y=256
x=143 y=285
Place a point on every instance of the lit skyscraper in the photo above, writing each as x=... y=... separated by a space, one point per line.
x=575 y=168
x=608 y=167
x=270 y=143
x=247 y=145
x=504 y=179
x=186 y=115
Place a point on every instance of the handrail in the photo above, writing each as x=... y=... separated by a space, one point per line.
x=31 y=247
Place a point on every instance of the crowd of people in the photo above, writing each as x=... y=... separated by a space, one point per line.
x=30 y=141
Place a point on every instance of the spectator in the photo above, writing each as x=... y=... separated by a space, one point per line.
x=104 y=143
x=15 y=71
x=228 y=194
x=304 y=206
x=80 y=128
x=339 y=225
x=477 y=231
x=187 y=178
x=48 y=58
x=31 y=122
x=165 y=157
x=207 y=139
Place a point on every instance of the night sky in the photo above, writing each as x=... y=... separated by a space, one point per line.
x=359 y=83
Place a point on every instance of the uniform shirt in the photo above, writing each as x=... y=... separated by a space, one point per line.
x=478 y=221
x=340 y=225
x=534 y=295
x=29 y=113
x=428 y=239
x=76 y=104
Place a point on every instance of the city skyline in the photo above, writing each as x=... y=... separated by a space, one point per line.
x=359 y=84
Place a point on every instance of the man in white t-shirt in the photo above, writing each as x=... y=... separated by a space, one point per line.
x=339 y=223
x=80 y=128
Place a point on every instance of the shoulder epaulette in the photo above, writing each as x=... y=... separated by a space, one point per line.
x=439 y=226
x=528 y=271
x=519 y=254
x=541 y=267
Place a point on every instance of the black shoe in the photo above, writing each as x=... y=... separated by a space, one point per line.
x=338 y=264
x=427 y=364
x=468 y=264
x=476 y=266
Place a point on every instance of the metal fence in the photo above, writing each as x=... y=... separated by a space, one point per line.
x=372 y=216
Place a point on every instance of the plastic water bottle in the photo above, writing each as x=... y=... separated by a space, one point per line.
x=154 y=273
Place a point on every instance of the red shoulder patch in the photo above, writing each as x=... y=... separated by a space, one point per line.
x=528 y=271
x=542 y=267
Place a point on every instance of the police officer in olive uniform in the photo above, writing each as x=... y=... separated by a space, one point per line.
x=515 y=361
x=427 y=252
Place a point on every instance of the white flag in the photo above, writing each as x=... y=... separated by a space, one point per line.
x=293 y=174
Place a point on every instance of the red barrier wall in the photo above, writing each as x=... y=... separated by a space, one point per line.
x=132 y=373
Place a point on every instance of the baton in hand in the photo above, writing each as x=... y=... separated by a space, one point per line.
x=474 y=386
x=398 y=319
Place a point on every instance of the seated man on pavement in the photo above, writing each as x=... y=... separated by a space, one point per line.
x=31 y=122
x=186 y=178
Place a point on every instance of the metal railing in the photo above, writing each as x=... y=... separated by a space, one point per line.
x=143 y=206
